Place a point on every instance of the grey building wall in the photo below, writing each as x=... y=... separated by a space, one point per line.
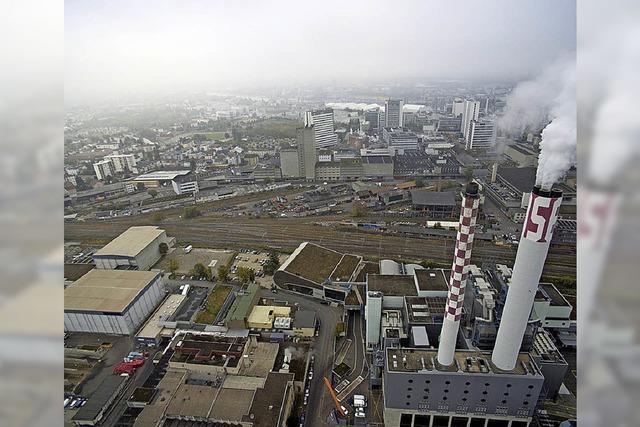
x=125 y=323
x=436 y=392
x=289 y=163
x=144 y=260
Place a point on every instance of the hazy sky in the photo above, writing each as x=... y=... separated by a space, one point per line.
x=116 y=48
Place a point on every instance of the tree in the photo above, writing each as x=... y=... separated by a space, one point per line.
x=226 y=135
x=200 y=271
x=358 y=210
x=140 y=186
x=223 y=273
x=190 y=212
x=272 y=263
x=164 y=248
x=419 y=182
x=246 y=274
x=153 y=193
x=174 y=265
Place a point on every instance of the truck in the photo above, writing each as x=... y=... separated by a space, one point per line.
x=359 y=401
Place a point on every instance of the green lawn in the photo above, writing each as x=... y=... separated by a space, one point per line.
x=213 y=304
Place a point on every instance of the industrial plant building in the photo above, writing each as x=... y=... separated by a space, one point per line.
x=111 y=301
x=477 y=350
x=137 y=248
x=318 y=271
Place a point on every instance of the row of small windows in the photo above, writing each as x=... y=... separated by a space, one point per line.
x=530 y=387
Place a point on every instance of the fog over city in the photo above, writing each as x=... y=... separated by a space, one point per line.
x=117 y=49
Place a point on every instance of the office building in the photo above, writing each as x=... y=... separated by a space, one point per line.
x=471 y=112
x=103 y=169
x=307 y=152
x=398 y=140
x=393 y=113
x=122 y=162
x=481 y=135
x=322 y=122
x=457 y=108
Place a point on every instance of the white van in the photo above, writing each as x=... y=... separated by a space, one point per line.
x=188 y=249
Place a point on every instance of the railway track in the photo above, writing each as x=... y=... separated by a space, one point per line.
x=286 y=234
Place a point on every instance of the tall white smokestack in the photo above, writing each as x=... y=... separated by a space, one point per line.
x=537 y=231
x=458 y=278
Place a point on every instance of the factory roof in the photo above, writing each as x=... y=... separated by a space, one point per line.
x=192 y=400
x=99 y=399
x=345 y=268
x=377 y=159
x=555 y=297
x=152 y=328
x=75 y=271
x=106 y=290
x=522 y=149
x=465 y=361
x=424 y=197
x=242 y=304
x=130 y=243
x=422 y=310
x=305 y=319
x=312 y=262
x=432 y=280
x=161 y=175
x=392 y=285
x=231 y=404
x=267 y=406
x=523 y=179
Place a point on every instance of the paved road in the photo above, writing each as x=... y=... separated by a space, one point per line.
x=319 y=404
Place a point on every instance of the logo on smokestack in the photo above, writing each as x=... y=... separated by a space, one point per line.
x=541 y=218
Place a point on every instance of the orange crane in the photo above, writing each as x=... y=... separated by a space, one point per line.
x=336 y=402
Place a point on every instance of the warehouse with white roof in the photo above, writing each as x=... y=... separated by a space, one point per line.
x=111 y=301
x=136 y=248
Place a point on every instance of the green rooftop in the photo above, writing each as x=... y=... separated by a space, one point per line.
x=242 y=304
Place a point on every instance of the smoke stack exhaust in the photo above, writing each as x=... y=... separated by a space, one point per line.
x=537 y=231
x=458 y=278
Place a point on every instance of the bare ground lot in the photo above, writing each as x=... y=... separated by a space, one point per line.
x=251 y=260
x=197 y=255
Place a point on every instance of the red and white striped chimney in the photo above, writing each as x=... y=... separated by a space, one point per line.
x=458 y=278
x=537 y=231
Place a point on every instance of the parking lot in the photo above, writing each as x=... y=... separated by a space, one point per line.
x=208 y=257
x=254 y=260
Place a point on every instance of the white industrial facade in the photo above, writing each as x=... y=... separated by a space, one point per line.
x=137 y=247
x=322 y=121
x=117 y=319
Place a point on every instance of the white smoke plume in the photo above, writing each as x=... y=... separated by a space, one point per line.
x=547 y=101
x=558 y=145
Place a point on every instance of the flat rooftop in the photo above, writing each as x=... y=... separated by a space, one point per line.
x=392 y=285
x=522 y=179
x=131 y=242
x=192 y=400
x=312 y=262
x=167 y=309
x=106 y=290
x=554 y=295
x=345 y=268
x=161 y=175
x=99 y=398
x=422 y=310
x=209 y=350
x=465 y=361
x=267 y=403
x=232 y=404
x=428 y=198
x=432 y=280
